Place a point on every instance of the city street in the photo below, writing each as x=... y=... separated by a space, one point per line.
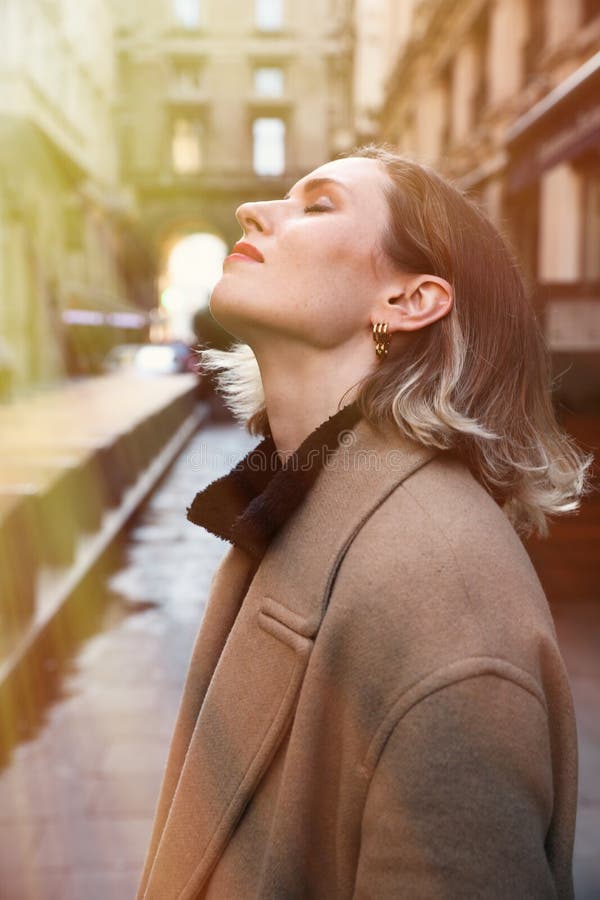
x=76 y=801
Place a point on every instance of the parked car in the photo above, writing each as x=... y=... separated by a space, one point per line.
x=186 y=356
x=168 y=358
x=120 y=357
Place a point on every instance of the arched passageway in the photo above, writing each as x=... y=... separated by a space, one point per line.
x=191 y=266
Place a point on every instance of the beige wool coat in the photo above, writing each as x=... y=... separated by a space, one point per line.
x=377 y=708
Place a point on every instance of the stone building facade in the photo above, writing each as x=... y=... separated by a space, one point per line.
x=227 y=100
x=504 y=96
x=167 y=114
x=63 y=215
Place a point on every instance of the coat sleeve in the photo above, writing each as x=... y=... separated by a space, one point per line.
x=460 y=800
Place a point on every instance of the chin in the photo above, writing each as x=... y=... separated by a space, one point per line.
x=228 y=308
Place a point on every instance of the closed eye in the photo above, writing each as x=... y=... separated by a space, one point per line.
x=317 y=207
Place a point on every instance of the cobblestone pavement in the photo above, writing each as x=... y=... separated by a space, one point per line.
x=77 y=800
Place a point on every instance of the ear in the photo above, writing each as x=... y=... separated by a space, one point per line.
x=425 y=299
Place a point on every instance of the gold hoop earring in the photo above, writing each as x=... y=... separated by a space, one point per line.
x=381 y=338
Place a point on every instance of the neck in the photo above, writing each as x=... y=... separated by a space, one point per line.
x=304 y=386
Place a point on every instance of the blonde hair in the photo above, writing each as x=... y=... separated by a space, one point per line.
x=478 y=381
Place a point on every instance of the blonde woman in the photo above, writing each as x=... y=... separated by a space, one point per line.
x=376 y=705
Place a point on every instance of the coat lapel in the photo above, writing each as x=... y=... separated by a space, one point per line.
x=231 y=727
x=301 y=563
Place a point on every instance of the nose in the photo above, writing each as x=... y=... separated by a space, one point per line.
x=252 y=216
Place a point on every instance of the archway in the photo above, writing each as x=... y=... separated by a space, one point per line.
x=192 y=264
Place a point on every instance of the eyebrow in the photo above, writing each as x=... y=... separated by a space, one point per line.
x=314 y=183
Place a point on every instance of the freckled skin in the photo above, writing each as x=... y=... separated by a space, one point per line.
x=322 y=269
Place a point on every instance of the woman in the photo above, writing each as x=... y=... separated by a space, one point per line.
x=376 y=705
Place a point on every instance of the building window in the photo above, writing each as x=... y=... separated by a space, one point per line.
x=187 y=81
x=186 y=146
x=591 y=226
x=445 y=95
x=481 y=33
x=268 y=146
x=524 y=225
x=591 y=9
x=268 y=81
x=268 y=14
x=187 y=13
x=536 y=29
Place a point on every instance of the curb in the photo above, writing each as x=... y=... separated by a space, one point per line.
x=56 y=587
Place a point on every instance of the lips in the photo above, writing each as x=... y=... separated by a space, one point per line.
x=242 y=248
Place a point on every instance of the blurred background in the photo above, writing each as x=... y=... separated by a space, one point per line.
x=129 y=134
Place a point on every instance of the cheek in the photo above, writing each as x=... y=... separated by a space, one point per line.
x=327 y=293
x=327 y=298
x=337 y=256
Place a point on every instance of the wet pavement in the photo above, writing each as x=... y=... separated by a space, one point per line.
x=77 y=798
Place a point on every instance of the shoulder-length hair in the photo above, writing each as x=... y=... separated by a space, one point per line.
x=478 y=381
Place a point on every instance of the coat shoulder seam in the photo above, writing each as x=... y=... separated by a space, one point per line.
x=454 y=673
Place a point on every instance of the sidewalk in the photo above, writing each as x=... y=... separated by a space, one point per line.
x=77 y=800
x=75 y=462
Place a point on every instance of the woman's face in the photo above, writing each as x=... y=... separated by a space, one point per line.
x=323 y=268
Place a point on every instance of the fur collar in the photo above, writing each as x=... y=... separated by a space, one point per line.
x=249 y=504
